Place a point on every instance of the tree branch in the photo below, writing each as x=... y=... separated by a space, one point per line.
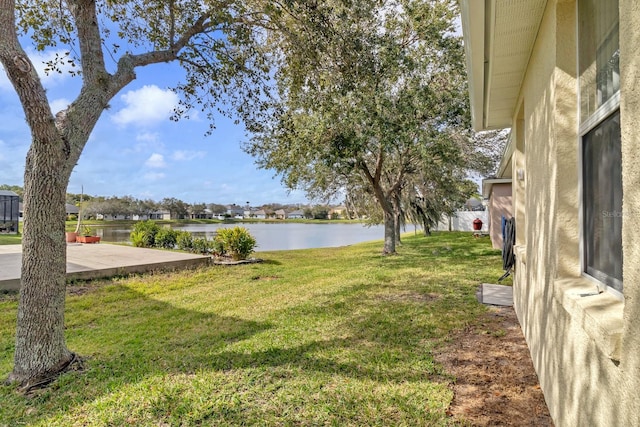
x=23 y=75
x=125 y=73
x=89 y=39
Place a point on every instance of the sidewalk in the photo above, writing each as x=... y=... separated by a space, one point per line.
x=88 y=261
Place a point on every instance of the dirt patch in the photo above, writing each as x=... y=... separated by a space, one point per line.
x=409 y=297
x=83 y=287
x=495 y=384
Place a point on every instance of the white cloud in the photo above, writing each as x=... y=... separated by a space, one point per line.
x=148 y=137
x=146 y=106
x=145 y=141
x=59 y=105
x=40 y=59
x=184 y=155
x=155 y=161
x=153 y=176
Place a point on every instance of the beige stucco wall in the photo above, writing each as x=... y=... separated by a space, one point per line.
x=499 y=206
x=630 y=126
x=587 y=359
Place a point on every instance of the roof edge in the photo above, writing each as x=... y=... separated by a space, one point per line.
x=473 y=30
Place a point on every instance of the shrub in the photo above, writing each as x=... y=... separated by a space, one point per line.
x=144 y=233
x=201 y=245
x=87 y=231
x=166 y=238
x=217 y=247
x=184 y=239
x=236 y=242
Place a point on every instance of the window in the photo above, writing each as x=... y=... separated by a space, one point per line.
x=599 y=73
x=602 y=189
x=598 y=55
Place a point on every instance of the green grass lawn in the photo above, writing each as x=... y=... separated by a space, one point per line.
x=10 y=239
x=339 y=336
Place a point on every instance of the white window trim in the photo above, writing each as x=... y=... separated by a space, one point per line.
x=605 y=110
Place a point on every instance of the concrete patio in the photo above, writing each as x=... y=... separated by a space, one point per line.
x=89 y=261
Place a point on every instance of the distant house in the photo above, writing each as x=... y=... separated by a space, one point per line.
x=338 y=212
x=206 y=214
x=233 y=211
x=298 y=214
x=280 y=214
x=110 y=217
x=160 y=215
x=261 y=214
x=71 y=209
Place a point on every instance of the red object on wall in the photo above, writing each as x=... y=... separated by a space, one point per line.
x=477 y=224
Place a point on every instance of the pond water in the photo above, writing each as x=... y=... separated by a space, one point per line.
x=272 y=236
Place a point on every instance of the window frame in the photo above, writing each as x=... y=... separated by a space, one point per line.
x=610 y=107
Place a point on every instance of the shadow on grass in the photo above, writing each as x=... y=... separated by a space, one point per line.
x=125 y=336
x=158 y=338
x=124 y=346
x=270 y=261
x=381 y=329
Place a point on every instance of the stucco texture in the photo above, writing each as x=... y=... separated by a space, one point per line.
x=586 y=354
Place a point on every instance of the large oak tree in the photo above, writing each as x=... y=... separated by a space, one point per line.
x=372 y=93
x=214 y=41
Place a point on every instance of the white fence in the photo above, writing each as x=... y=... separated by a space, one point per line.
x=463 y=221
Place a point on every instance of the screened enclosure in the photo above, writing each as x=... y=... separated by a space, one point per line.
x=9 y=212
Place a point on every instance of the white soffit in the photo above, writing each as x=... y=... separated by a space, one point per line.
x=499 y=36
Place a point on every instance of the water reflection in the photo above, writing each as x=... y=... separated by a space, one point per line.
x=270 y=236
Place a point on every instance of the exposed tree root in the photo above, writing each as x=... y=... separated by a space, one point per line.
x=74 y=363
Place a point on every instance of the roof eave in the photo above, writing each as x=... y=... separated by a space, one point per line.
x=473 y=30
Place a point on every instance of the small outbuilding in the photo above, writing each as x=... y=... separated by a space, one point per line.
x=9 y=212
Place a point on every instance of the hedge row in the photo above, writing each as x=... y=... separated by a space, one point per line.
x=235 y=242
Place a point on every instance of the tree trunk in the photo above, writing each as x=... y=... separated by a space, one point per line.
x=389 y=233
x=41 y=352
x=426 y=227
x=57 y=143
x=397 y=219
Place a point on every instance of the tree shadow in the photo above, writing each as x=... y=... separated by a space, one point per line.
x=127 y=336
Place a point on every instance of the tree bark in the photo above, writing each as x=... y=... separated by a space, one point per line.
x=389 y=233
x=397 y=217
x=389 y=217
x=40 y=343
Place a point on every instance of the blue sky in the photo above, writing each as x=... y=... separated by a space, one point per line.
x=136 y=150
